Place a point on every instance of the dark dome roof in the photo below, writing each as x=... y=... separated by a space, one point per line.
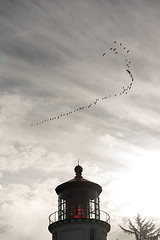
x=78 y=183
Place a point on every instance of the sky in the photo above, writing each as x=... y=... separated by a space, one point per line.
x=55 y=58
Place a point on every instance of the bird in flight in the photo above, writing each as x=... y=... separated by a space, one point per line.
x=103 y=54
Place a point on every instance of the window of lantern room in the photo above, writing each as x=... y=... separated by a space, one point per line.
x=78 y=206
x=62 y=214
x=94 y=211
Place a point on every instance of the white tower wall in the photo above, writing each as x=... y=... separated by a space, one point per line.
x=80 y=230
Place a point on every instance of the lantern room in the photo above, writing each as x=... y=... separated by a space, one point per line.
x=78 y=198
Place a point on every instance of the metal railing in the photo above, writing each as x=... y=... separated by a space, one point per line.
x=103 y=216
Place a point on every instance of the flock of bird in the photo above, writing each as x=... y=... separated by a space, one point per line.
x=125 y=90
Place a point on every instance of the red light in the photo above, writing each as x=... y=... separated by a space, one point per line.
x=79 y=213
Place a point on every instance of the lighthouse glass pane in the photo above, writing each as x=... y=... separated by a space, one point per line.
x=61 y=209
x=97 y=211
x=91 y=209
x=77 y=206
x=94 y=211
x=64 y=210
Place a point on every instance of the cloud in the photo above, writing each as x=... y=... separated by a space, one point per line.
x=16 y=158
x=108 y=140
x=19 y=202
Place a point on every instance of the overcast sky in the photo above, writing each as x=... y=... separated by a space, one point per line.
x=52 y=63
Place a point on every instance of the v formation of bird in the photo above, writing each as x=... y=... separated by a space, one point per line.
x=124 y=90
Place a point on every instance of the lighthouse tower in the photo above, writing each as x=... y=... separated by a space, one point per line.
x=79 y=216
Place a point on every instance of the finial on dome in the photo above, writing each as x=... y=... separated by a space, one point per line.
x=78 y=170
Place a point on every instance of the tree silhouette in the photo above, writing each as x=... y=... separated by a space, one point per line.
x=143 y=229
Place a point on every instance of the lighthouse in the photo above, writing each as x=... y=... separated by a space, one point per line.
x=79 y=216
